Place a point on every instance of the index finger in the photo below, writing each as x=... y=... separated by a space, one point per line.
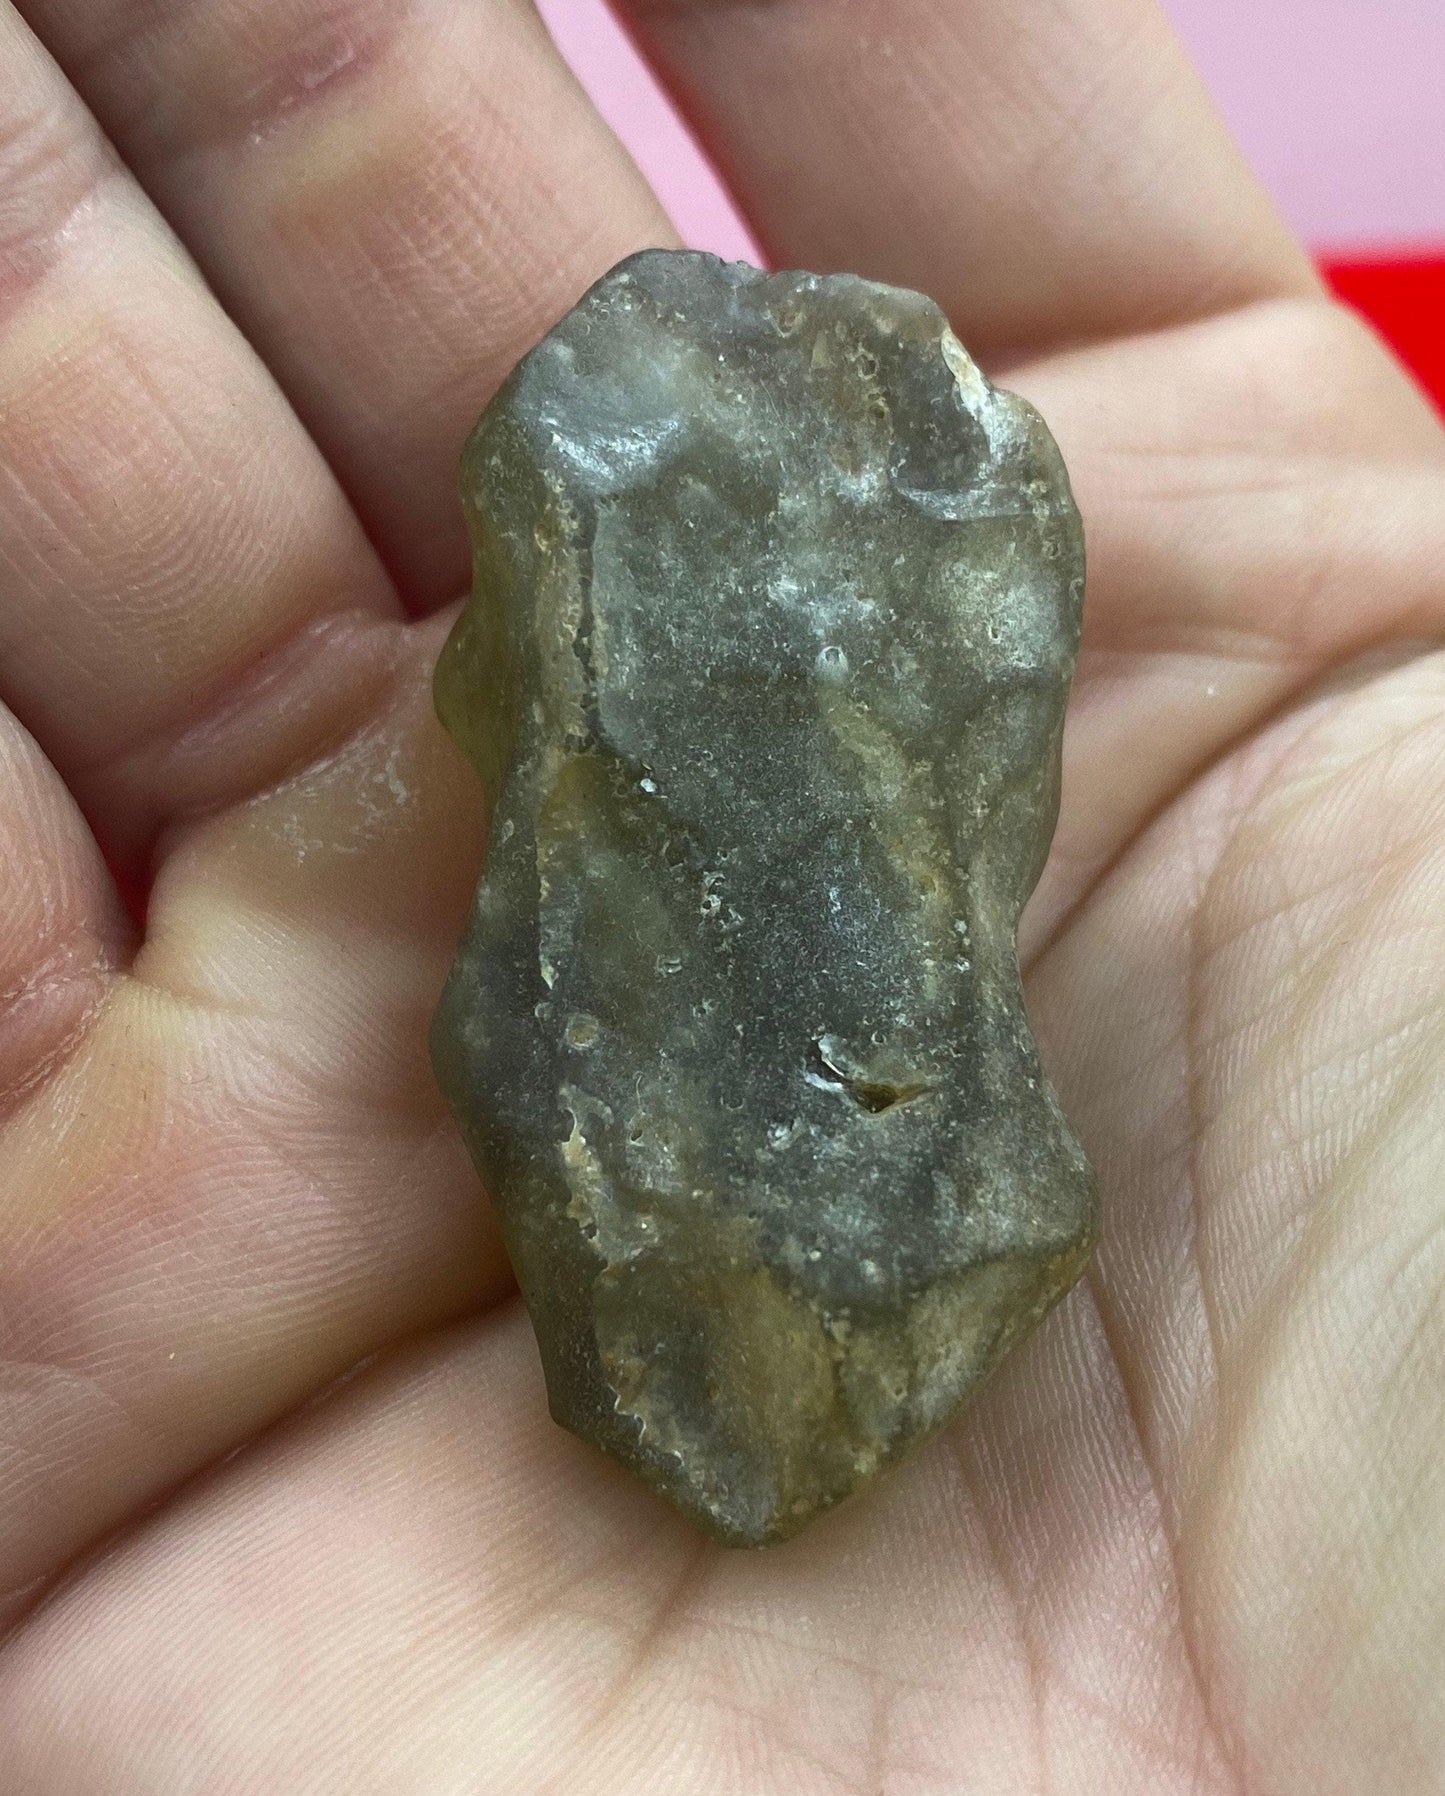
x=1048 y=171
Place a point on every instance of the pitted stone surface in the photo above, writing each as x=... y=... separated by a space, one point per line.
x=775 y=613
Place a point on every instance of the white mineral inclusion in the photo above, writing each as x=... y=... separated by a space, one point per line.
x=974 y=389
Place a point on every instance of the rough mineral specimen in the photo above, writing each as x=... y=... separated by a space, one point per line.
x=775 y=612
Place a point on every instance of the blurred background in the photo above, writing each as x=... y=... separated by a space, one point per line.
x=1339 y=104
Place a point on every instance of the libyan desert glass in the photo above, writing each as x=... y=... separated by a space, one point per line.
x=776 y=607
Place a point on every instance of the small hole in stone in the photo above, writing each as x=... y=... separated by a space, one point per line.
x=873 y=1095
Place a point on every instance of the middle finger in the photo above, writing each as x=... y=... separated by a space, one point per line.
x=394 y=201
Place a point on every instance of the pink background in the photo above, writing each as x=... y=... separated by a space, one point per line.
x=1340 y=105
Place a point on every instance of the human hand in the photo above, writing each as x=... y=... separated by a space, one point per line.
x=1192 y=1537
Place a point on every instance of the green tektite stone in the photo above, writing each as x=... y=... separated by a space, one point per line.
x=775 y=612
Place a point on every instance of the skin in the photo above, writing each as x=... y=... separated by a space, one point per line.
x=280 y=1507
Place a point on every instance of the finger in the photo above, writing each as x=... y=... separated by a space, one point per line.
x=393 y=201
x=63 y=930
x=167 y=529
x=1047 y=172
x=242 y=1180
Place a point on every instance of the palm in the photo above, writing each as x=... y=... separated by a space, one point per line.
x=1192 y=1536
